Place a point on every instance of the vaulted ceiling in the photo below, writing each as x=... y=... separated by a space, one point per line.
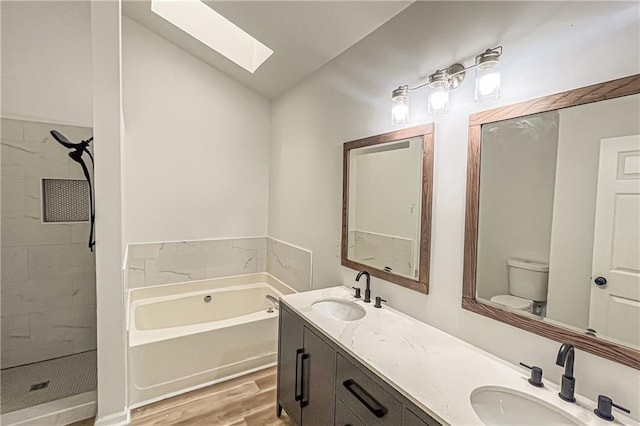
x=304 y=35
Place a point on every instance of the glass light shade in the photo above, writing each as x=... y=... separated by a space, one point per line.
x=488 y=81
x=400 y=107
x=438 y=100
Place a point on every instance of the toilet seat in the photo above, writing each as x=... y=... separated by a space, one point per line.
x=513 y=302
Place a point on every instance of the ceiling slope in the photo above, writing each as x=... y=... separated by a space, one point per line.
x=304 y=35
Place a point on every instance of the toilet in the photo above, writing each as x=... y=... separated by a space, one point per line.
x=528 y=282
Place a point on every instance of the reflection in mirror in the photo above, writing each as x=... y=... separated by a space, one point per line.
x=386 y=206
x=385 y=185
x=559 y=218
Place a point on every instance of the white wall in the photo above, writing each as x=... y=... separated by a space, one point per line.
x=581 y=129
x=46 y=61
x=196 y=150
x=108 y=147
x=517 y=180
x=548 y=47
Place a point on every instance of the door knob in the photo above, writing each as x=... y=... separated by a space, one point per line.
x=600 y=281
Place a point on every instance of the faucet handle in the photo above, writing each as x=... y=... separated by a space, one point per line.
x=357 y=295
x=378 y=303
x=605 y=405
x=536 y=375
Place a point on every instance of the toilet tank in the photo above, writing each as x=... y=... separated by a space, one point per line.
x=528 y=279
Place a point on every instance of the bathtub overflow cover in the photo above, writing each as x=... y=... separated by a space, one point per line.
x=207 y=299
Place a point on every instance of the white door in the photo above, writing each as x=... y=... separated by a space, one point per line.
x=615 y=306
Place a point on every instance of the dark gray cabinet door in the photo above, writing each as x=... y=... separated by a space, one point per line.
x=319 y=372
x=290 y=347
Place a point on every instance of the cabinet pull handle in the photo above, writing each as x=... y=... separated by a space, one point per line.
x=304 y=382
x=298 y=385
x=363 y=396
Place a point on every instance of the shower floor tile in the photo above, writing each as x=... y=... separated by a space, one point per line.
x=66 y=376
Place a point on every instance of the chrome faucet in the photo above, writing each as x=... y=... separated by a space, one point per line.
x=565 y=359
x=367 y=290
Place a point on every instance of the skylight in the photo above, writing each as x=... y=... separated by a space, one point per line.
x=208 y=26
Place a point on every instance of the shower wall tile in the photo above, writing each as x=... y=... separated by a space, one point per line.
x=48 y=273
x=80 y=233
x=13 y=195
x=83 y=290
x=72 y=326
x=23 y=297
x=32 y=197
x=35 y=131
x=16 y=334
x=36 y=353
x=85 y=340
x=20 y=231
x=15 y=299
x=44 y=159
x=14 y=264
x=60 y=261
x=290 y=264
x=12 y=129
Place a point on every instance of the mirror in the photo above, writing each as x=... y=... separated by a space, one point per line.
x=553 y=217
x=387 y=206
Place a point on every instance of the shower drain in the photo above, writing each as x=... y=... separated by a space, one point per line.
x=39 y=386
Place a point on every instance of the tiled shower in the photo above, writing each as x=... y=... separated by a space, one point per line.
x=48 y=271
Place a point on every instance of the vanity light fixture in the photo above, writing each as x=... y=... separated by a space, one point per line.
x=488 y=75
x=487 y=65
x=400 y=109
x=438 y=98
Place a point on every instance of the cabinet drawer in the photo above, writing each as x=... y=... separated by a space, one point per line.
x=344 y=416
x=372 y=404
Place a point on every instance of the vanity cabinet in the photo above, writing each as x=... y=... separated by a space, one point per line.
x=320 y=384
x=306 y=364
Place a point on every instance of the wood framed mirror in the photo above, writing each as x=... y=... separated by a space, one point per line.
x=552 y=238
x=386 y=206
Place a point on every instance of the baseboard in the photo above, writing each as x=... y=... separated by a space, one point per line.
x=122 y=418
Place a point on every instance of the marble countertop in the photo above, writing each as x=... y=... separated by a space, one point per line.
x=433 y=369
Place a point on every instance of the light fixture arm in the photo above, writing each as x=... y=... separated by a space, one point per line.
x=456 y=70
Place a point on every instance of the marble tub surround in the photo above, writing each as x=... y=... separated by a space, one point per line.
x=48 y=273
x=182 y=261
x=433 y=369
x=290 y=264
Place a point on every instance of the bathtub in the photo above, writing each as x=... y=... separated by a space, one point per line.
x=188 y=335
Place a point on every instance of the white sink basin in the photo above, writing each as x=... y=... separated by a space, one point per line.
x=338 y=309
x=502 y=406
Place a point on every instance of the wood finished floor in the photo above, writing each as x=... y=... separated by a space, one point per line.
x=245 y=401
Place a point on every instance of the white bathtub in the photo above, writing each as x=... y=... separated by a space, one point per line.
x=178 y=341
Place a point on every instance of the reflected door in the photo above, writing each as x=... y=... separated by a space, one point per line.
x=615 y=305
